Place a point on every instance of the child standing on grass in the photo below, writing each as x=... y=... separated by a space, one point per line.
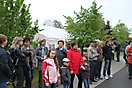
x=66 y=77
x=85 y=73
x=50 y=70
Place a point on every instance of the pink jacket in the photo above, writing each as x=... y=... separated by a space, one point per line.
x=49 y=71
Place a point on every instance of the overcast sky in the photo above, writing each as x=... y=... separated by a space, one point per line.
x=112 y=10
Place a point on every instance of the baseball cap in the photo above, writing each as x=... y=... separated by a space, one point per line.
x=92 y=41
x=84 y=58
x=65 y=60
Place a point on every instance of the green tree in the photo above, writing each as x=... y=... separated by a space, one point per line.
x=86 y=25
x=15 y=20
x=57 y=24
x=121 y=32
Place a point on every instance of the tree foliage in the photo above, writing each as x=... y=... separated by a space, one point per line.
x=86 y=25
x=57 y=24
x=15 y=20
x=121 y=32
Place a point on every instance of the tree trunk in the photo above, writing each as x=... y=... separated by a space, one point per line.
x=82 y=50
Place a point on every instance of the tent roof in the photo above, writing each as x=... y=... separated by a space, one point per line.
x=52 y=32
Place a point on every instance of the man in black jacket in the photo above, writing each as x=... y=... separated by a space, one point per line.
x=61 y=52
x=5 y=69
x=107 y=53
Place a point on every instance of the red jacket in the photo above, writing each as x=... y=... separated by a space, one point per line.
x=129 y=53
x=75 y=58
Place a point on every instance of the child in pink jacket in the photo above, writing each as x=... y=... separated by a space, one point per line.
x=50 y=70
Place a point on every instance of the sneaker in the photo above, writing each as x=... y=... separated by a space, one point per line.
x=94 y=81
x=106 y=77
x=130 y=77
x=111 y=76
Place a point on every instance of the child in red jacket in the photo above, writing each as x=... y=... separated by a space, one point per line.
x=50 y=70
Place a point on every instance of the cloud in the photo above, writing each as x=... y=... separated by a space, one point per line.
x=112 y=10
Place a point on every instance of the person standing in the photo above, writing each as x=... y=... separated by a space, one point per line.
x=93 y=58
x=50 y=70
x=118 y=46
x=75 y=64
x=85 y=73
x=129 y=53
x=61 y=52
x=41 y=52
x=100 y=58
x=5 y=67
x=124 y=54
x=30 y=59
x=113 y=48
x=19 y=60
x=66 y=77
x=107 y=51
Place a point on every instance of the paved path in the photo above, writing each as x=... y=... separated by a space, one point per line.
x=120 y=80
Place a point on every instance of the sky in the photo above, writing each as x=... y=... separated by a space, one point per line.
x=113 y=10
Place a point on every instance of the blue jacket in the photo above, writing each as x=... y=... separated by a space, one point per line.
x=5 y=66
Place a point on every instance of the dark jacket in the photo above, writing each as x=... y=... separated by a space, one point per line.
x=39 y=56
x=66 y=77
x=107 y=52
x=117 y=48
x=19 y=58
x=30 y=56
x=85 y=73
x=60 y=55
x=5 y=66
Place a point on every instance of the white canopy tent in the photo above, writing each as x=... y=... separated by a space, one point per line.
x=52 y=35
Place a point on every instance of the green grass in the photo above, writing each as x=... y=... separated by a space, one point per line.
x=35 y=79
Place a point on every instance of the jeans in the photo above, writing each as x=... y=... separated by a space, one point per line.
x=31 y=73
x=53 y=85
x=93 y=69
x=27 y=77
x=3 y=85
x=86 y=82
x=79 y=78
x=107 y=67
x=66 y=86
x=98 y=72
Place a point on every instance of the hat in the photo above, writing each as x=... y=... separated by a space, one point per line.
x=92 y=41
x=84 y=58
x=66 y=60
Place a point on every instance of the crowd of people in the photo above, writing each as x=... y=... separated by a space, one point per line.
x=58 y=65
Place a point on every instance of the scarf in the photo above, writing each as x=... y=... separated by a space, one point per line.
x=43 y=50
x=100 y=48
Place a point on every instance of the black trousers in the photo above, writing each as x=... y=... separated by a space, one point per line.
x=125 y=57
x=40 y=79
x=79 y=82
x=130 y=70
x=20 y=76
